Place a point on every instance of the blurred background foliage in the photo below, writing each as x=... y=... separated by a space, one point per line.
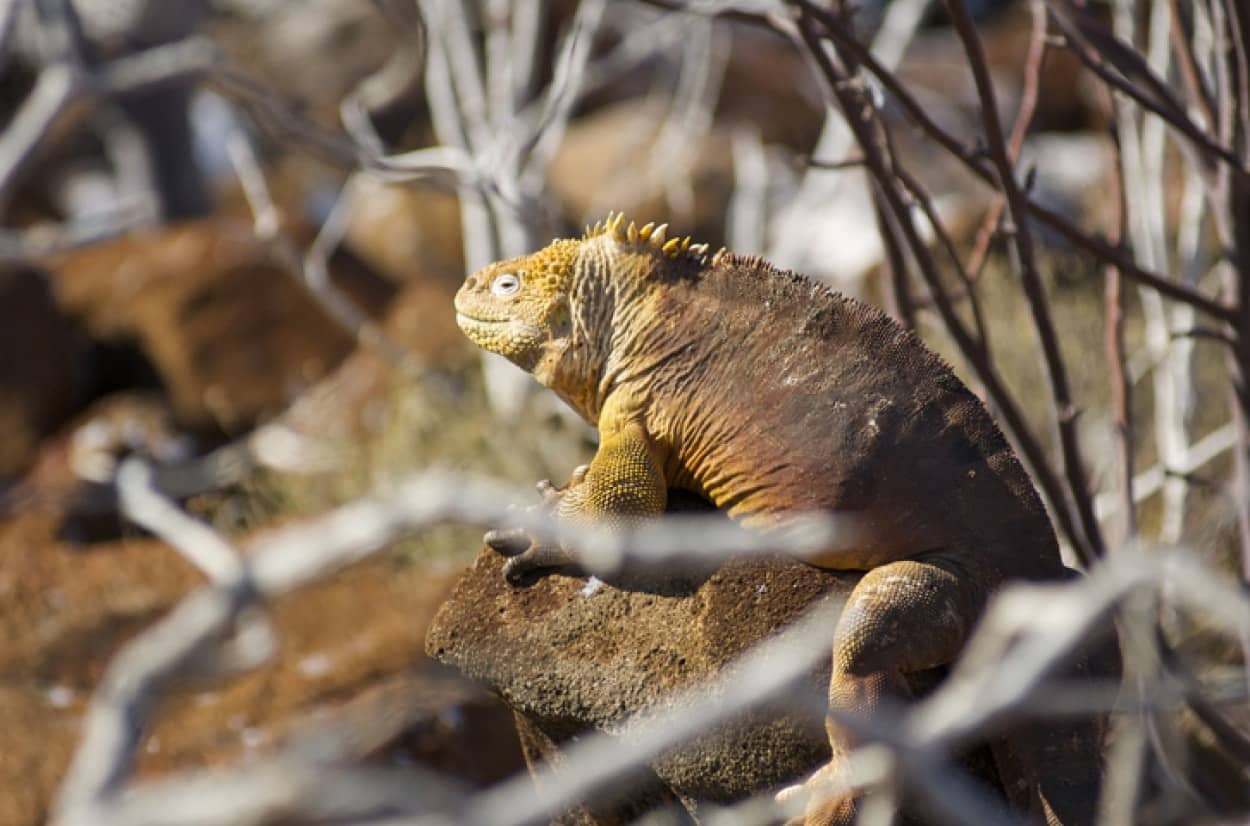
x=230 y=224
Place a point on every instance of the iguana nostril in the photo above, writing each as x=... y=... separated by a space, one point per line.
x=471 y=282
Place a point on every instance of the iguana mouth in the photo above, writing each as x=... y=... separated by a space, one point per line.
x=461 y=318
x=500 y=329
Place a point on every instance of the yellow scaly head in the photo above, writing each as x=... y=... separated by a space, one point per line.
x=520 y=308
x=553 y=312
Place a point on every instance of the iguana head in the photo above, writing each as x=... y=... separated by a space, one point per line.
x=554 y=312
x=520 y=308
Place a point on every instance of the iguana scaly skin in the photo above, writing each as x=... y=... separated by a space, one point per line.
x=767 y=393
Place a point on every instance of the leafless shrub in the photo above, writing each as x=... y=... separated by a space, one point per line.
x=1179 y=98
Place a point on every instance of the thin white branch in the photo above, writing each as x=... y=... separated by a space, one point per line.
x=266 y=221
x=528 y=17
x=1150 y=482
x=122 y=704
x=313 y=269
x=691 y=111
x=480 y=242
x=200 y=544
x=1144 y=143
x=188 y=59
x=55 y=88
x=501 y=59
x=41 y=241
x=284 y=789
x=8 y=20
x=747 y=220
x=449 y=21
x=793 y=229
x=535 y=153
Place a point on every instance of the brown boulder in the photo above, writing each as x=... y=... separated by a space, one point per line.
x=231 y=334
x=40 y=366
x=569 y=660
x=408 y=233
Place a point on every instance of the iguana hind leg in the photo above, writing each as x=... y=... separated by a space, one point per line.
x=914 y=615
x=902 y=617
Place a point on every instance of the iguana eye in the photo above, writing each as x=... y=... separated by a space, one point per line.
x=505 y=285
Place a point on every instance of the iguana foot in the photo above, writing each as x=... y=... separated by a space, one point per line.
x=825 y=803
x=529 y=554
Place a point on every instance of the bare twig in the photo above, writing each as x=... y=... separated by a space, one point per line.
x=976 y=164
x=534 y=153
x=899 y=298
x=860 y=118
x=203 y=546
x=312 y=269
x=1089 y=544
x=286 y=788
x=55 y=88
x=1097 y=47
x=8 y=21
x=1033 y=61
x=792 y=232
x=61 y=34
x=917 y=192
x=1142 y=155
x=690 y=113
x=1182 y=35
x=40 y=242
x=1121 y=388
x=1149 y=482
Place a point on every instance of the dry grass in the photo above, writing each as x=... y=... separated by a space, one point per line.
x=438 y=420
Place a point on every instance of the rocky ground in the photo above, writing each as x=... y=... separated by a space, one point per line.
x=166 y=345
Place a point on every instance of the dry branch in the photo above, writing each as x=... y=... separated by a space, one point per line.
x=478 y=85
x=976 y=164
x=1006 y=665
x=862 y=118
x=1089 y=544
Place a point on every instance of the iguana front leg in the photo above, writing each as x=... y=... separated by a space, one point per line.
x=624 y=480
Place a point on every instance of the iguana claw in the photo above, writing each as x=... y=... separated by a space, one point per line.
x=518 y=569
x=508 y=541
x=549 y=492
x=823 y=804
x=527 y=556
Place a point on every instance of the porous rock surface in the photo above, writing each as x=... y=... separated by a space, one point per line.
x=568 y=657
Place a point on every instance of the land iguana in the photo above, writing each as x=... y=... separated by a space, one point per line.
x=767 y=393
